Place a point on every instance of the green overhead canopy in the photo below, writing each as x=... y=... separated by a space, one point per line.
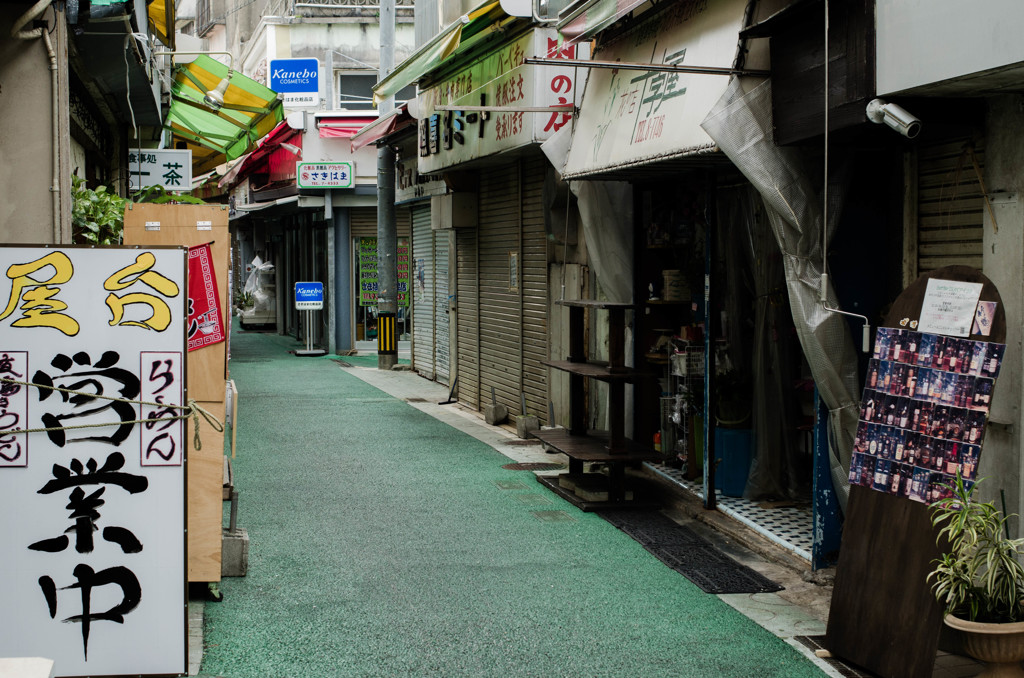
x=250 y=111
x=440 y=48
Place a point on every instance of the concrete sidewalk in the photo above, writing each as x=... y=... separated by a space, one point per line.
x=386 y=540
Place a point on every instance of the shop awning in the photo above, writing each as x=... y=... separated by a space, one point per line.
x=342 y=128
x=275 y=154
x=594 y=16
x=161 y=21
x=394 y=121
x=250 y=111
x=437 y=50
x=664 y=123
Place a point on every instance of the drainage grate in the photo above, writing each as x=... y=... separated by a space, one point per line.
x=533 y=499
x=553 y=516
x=415 y=400
x=342 y=363
x=815 y=643
x=510 y=485
x=534 y=466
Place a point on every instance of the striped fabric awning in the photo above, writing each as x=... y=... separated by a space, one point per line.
x=250 y=112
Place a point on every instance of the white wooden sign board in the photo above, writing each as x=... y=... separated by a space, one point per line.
x=92 y=546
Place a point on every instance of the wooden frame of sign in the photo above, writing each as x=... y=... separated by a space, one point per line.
x=883 y=616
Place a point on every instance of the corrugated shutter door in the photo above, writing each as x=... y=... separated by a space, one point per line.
x=422 y=292
x=535 y=289
x=949 y=206
x=501 y=319
x=467 y=304
x=442 y=336
x=363 y=222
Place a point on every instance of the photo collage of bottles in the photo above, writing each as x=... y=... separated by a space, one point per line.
x=922 y=417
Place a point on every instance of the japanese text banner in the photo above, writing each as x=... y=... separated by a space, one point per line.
x=205 y=326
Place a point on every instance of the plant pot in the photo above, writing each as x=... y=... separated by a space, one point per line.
x=1000 y=646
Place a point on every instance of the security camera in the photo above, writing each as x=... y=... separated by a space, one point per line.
x=894 y=116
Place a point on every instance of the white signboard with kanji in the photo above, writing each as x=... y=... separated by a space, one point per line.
x=634 y=116
x=499 y=79
x=92 y=544
x=325 y=174
x=168 y=168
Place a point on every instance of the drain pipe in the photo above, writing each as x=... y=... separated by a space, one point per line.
x=17 y=31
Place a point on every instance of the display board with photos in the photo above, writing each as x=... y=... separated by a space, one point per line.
x=923 y=412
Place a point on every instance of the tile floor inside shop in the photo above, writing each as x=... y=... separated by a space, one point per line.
x=791 y=527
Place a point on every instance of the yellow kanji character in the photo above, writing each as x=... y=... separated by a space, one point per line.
x=142 y=271
x=39 y=307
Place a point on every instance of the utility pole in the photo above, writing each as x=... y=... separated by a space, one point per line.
x=387 y=230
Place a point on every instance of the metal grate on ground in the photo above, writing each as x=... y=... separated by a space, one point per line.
x=791 y=527
x=534 y=466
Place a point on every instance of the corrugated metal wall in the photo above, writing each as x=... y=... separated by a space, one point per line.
x=949 y=205
x=501 y=325
x=442 y=319
x=534 y=262
x=467 y=305
x=422 y=291
x=502 y=309
x=363 y=222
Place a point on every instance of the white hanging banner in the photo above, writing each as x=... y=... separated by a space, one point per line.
x=92 y=549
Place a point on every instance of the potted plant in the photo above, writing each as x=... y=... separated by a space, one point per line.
x=979 y=579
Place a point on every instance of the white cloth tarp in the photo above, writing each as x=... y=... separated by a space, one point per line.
x=741 y=125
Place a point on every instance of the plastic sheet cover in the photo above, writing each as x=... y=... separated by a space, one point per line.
x=741 y=125
x=259 y=284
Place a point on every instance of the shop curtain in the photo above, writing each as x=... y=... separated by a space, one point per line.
x=741 y=125
x=762 y=345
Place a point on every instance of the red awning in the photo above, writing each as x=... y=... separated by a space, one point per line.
x=394 y=121
x=342 y=128
x=275 y=152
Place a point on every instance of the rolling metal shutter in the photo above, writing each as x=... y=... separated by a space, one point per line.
x=363 y=222
x=534 y=264
x=467 y=304
x=950 y=228
x=442 y=333
x=501 y=326
x=423 y=292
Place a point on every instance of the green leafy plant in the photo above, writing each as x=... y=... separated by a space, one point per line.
x=158 y=195
x=980 y=577
x=97 y=216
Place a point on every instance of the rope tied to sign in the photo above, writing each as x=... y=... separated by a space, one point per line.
x=190 y=409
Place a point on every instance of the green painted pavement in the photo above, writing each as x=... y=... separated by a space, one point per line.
x=383 y=544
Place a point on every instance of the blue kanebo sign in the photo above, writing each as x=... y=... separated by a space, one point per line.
x=309 y=296
x=294 y=75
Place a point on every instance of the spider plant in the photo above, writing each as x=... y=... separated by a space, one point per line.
x=980 y=577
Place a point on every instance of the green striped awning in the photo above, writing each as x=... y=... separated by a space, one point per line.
x=250 y=111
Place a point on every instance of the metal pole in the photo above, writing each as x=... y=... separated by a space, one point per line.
x=387 y=235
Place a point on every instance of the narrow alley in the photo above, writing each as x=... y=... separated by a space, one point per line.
x=385 y=542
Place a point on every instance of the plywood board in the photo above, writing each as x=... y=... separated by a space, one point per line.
x=179 y=225
x=187 y=225
x=883 y=615
x=205 y=498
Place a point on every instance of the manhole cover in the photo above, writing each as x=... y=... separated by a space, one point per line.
x=534 y=466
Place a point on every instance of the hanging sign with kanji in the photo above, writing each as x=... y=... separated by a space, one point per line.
x=170 y=169
x=92 y=463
